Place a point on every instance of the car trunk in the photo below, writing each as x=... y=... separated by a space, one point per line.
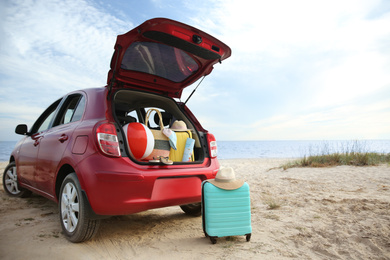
x=131 y=106
x=164 y=56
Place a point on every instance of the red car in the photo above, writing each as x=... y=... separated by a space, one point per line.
x=76 y=152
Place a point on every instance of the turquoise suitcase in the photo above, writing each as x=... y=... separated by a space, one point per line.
x=226 y=212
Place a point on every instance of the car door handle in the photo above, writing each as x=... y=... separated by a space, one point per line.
x=37 y=140
x=63 y=138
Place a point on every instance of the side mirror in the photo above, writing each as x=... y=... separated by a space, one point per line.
x=21 y=129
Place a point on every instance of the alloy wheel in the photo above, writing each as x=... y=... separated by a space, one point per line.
x=11 y=181
x=70 y=207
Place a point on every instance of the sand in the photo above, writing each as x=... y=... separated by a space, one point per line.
x=317 y=213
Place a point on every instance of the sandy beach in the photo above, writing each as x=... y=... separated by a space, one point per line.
x=301 y=213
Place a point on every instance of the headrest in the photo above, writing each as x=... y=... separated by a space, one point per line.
x=166 y=117
x=127 y=119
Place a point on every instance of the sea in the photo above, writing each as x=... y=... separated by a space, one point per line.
x=271 y=149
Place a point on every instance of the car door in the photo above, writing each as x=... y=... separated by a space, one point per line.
x=28 y=152
x=56 y=140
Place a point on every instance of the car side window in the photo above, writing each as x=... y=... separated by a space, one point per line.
x=72 y=110
x=45 y=125
x=79 y=111
x=44 y=121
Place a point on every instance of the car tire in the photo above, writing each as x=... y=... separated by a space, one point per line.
x=76 y=225
x=10 y=182
x=193 y=209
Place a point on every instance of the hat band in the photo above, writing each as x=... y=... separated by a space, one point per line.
x=224 y=180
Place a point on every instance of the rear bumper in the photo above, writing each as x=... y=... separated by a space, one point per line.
x=118 y=186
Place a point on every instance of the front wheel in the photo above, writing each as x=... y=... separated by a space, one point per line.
x=10 y=182
x=194 y=209
x=75 y=223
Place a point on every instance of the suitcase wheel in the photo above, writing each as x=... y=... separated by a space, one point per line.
x=213 y=240
x=248 y=237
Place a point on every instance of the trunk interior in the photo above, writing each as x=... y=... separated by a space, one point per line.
x=131 y=106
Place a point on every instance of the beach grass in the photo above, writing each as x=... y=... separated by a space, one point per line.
x=352 y=154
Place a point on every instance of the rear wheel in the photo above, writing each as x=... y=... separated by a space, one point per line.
x=193 y=209
x=75 y=223
x=10 y=182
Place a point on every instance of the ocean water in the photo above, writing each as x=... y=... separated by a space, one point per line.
x=296 y=149
x=6 y=148
x=270 y=149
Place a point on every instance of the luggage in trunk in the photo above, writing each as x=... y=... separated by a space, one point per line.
x=177 y=155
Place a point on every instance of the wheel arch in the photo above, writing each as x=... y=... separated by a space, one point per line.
x=11 y=159
x=64 y=171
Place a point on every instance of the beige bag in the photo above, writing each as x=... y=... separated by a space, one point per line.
x=161 y=141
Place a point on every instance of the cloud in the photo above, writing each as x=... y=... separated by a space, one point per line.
x=50 y=48
x=353 y=121
x=355 y=76
x=290 y=58
x=59 y=35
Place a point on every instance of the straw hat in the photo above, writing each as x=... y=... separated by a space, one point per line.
x=179 y=125
x=226 y=179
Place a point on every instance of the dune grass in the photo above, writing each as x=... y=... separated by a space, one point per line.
x=352 y=153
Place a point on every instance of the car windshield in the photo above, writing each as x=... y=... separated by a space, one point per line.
x=159 y=59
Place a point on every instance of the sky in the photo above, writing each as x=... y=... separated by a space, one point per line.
x=299 y=70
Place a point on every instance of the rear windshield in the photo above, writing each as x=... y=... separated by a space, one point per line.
x=158 y=59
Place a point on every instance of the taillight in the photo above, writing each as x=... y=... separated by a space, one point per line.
x=212 y=145
x=108 y=140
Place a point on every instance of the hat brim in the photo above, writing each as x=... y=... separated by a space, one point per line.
x=231 y=185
